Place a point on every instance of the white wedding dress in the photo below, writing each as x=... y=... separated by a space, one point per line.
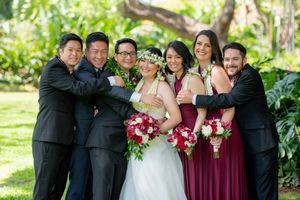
x=159 y=175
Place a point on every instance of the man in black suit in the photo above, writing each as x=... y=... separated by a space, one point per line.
x=90 y=68
x=54 y=129
x=256 y=124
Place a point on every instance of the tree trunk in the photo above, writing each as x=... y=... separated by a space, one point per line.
x=291 y=25
x=184 y=26
x=268 y=26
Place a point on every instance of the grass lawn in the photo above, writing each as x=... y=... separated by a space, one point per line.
x=17 y=117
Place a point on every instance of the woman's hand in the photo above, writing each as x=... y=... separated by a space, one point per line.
x=216 y=142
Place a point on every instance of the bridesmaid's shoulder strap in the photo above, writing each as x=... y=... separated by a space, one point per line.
x=186 y=81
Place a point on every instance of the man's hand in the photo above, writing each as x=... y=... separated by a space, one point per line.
x=119 y=81
x=152 y=99
x=185 y=96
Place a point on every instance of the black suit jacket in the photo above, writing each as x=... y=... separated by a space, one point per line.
x=55 y=120
x=251 y=110
x=84 y=106
x=108 y=130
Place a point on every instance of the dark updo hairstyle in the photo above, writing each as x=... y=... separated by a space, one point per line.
x=154 y=50
x=181 y=49
x=213 y=39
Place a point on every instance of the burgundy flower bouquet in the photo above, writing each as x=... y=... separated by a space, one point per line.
x=216 y=128
x=140 y=128
x=183 y=139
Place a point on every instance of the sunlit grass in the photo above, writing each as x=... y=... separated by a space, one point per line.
x=17 y=118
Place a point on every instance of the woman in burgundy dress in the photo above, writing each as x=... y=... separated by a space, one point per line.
x=179 y=61
x=223 y=178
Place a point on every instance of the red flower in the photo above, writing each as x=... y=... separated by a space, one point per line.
x=138 y=139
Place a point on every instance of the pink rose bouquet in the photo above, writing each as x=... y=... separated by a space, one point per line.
x=216 y=128
x=183 y=139
x=140 y=129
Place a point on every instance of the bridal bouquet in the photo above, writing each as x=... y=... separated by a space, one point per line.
x=216 y=128
x=140 y=129
x=183 y=139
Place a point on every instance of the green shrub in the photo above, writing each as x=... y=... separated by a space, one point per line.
x=284 y=103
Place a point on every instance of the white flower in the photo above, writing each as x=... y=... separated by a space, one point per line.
x=139 y=120
x=206 y=130
x=185 y=134
x=145 y=138
x=220 y=130
x=156 y=59
x=150 y=130
x=174 y=142
x=138 y=132
x=133 y=123
x=188 y=144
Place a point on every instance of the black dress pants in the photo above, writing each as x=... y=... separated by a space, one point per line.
x=262 y=175
x=109 y=171
x=51 y=162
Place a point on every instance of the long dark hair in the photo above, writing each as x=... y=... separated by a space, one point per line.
x=182 y=50
x=213 y=39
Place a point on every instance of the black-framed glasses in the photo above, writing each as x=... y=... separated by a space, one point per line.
x=124 y=54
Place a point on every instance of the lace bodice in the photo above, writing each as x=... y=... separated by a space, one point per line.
x=157 y=113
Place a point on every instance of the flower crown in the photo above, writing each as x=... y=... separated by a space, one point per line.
x=153 y=58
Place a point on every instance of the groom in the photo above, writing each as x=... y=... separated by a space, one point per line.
x=257 y=127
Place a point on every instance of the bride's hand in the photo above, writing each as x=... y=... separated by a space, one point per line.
x=160 y=121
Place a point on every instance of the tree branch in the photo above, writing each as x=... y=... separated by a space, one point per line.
x=184 y=26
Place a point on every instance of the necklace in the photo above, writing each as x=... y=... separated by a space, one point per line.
x=131 y=81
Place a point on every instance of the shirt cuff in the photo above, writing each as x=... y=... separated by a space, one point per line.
x=194 y=99
x=135 y=97
x=112 y=81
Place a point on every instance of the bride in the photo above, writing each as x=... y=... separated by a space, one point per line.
x=159 y=175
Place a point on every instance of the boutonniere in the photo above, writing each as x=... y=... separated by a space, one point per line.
x=207 y=71
x=131 y=81
x=206 y=76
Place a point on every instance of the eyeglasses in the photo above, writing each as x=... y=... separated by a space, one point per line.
x=124 y=54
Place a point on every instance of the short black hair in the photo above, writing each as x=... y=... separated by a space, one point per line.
x=125 y=40
x=67 y=37
x=237 y=46
x=96 y=36
x=182 y=50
